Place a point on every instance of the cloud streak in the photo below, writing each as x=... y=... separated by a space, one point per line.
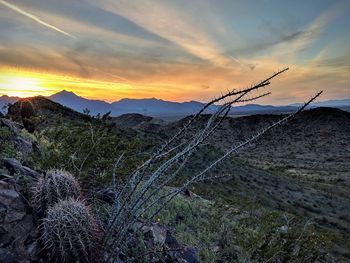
x=35 y=18
x=171 y=23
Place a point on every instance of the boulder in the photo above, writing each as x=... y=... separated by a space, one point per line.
x=18 y=233
x=15 y=167
x=17 y=229
x=13 y=126
x=11 y=205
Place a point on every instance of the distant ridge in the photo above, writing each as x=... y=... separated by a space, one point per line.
x=5 y=100
x=71 y=100
x=160 y=108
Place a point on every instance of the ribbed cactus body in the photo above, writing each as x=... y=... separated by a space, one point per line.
x=56 y=185
x=70 y=233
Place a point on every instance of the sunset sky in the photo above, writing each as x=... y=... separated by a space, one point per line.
x=176 y=50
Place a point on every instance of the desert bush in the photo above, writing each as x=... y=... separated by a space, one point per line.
x=7 y=148
x=89 y=150
x=56 y=185
x=70 y=233
x=28 y=113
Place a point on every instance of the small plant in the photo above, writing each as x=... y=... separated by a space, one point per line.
x=70 y=233
x=56 y=185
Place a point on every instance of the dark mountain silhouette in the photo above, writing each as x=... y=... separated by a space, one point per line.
x=160 y=108
x=69 y=99
x=329 y=103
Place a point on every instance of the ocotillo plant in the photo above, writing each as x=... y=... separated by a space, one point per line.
x=140 y=193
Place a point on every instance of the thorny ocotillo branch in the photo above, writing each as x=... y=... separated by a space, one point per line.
x=188 y=149
x=147 y=180
x=234 y=149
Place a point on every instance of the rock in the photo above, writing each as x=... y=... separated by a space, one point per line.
x=12 y=206
x=15 y=167
x=170 y=241
x=187 y=255
x=155 y=233
x=13 y=126
x=177 y=253
x=23 y=146
x=17 y=228
x=157 y=236
x=6 y=256
x=4 y=174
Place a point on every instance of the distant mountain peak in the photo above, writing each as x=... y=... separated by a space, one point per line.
x=65 y=93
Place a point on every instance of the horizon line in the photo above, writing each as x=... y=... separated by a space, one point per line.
x=154 y=98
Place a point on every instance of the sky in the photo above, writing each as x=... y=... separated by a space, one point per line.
x=177 y=50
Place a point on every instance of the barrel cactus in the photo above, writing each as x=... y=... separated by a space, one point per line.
x=56 y=185
x=70 y=233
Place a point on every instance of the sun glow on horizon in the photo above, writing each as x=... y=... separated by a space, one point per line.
x=23 y=83
x=29 y=84
x=20 y=87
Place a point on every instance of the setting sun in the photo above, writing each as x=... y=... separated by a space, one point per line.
x=21 y=86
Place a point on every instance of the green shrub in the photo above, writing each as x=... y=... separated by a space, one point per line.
x=7 y=148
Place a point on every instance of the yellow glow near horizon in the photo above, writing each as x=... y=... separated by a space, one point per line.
x=28 y=84
x=21 y=87
x=21 y=83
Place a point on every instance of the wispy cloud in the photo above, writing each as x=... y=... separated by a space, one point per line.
x=169 y=22
x=305 y=39
x=35 y=18
x=266 y=44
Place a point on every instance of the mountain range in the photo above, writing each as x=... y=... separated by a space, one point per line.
x=161 y=108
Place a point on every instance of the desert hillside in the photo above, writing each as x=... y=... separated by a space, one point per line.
x=288 y=191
